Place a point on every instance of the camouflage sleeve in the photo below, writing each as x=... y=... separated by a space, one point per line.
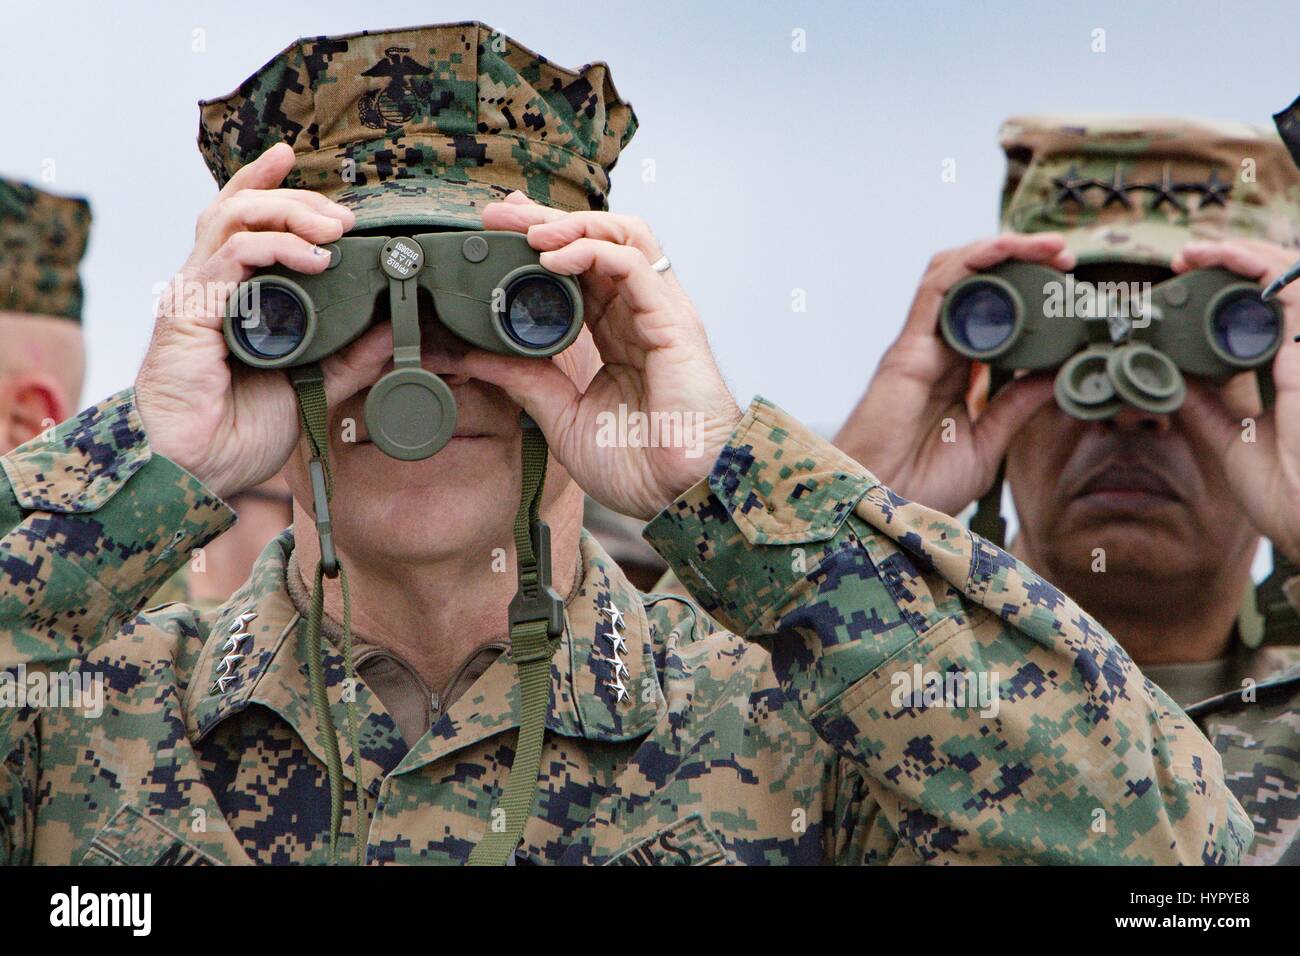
x=91 y=523
x=994 y=720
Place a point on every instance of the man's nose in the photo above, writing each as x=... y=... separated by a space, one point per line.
x=1131 y=420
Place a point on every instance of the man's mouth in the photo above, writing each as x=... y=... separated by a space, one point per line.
x=1126 y=485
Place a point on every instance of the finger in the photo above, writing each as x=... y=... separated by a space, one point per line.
x=265 y=172
x=1007 y=412
x=947 y=269
x=623 y=230
x=1042 y=247
x=359 y=365
x=260 y=212
x=627 y=268
x=234 y=262
x=311 y=198
x=1237 y=257
x=517 y=216
x=542 y=389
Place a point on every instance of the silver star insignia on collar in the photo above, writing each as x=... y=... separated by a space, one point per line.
x=233 y=647
x=615 y=616
x=616 y=642
x=620 y=669
x=620 y=692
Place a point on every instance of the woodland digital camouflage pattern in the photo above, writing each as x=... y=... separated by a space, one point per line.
x=1258 y=737
x=1137 y=189
x=425 y=126
x=42 y=240
x=777 y=742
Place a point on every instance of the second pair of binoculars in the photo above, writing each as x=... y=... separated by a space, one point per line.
x=1114 y=343
x=488 y=289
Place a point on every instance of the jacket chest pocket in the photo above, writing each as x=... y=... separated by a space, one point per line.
x=132 y=839
x=688 y=842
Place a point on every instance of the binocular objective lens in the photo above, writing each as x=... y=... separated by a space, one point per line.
x=274 y=322
x=538 y=312
x=1244 y=327
x=983 y=318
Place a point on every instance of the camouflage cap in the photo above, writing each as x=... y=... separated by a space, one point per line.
x=42 y=240
x=1136 y=189
x=425 y=126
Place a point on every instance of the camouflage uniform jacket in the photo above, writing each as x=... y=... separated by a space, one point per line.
x=1257 y=735
x=777 y=742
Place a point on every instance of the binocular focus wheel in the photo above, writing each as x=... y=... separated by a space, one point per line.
x=410 y=414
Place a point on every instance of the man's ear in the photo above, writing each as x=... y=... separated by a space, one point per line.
x=29 y=404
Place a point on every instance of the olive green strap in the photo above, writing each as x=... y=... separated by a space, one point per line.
x=309 y=384
x=987 y=521
x=536 y=622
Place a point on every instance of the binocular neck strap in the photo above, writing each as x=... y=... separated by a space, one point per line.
x=309 y=384
x=987 y=521
x=536 y=623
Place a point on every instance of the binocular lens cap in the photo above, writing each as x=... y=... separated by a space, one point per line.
x=1146 y=379
x=1084 y=389
x=410 y=414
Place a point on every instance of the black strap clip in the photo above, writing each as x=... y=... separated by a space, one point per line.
x=329 y=560
x=536 y=600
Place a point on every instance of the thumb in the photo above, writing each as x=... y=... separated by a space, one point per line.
x=538 y=387
x=1207 y=420
x=359 y=365
x=1009 y=411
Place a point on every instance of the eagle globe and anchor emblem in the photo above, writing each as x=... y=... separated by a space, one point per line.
x=396 y=103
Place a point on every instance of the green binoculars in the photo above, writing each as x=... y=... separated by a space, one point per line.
x=1114 y=343
x=487 y=288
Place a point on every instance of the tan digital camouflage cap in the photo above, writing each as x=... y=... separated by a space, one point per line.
x=425 y=126
x=42 y=240
x=1137 y=189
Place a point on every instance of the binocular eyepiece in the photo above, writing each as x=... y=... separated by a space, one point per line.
x=1113 y=343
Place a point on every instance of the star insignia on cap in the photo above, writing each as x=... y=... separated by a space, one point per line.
x=1214 y=191
x=1070 y=186
x=1166 y=191
x=1116 y=190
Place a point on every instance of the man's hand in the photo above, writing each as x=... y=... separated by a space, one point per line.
x=656 y=362
x=1264 y=473
x=232 y=431
x=898 y=428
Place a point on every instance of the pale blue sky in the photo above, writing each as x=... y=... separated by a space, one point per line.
x=775 y=170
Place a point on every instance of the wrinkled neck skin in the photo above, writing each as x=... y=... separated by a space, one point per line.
x=433 y=614
x=1180 y=620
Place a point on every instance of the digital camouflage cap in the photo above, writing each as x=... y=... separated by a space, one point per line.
x=42 y=240
x=1137 y=189
x=425 y=126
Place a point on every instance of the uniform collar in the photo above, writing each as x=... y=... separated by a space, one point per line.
x=270 y=669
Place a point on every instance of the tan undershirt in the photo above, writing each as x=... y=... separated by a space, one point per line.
x=1192 y=683
x=408 y=700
